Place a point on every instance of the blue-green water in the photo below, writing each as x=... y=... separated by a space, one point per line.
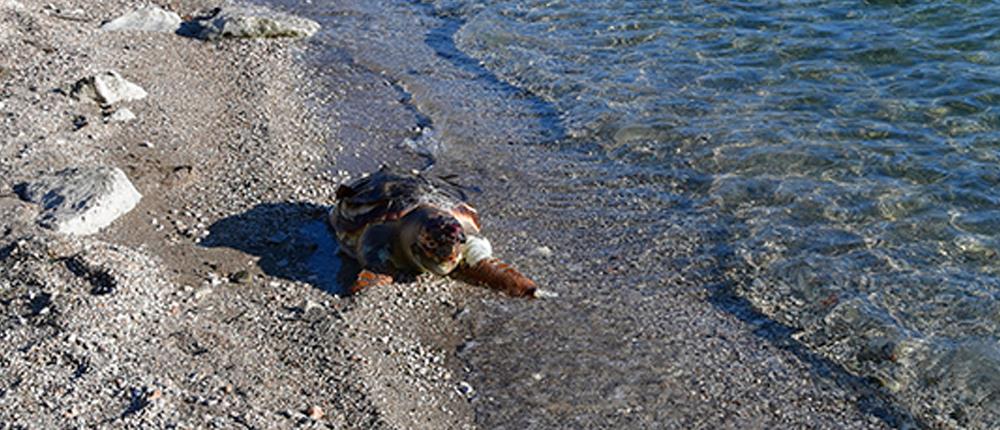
x=852 y=147
x=854 y=143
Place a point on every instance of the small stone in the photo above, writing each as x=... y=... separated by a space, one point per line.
x=71 y=15
x=108 y=88
x=201 y=293
x=81 y=200
x=466 y=389
x=315 y=412
x=121 y=115
x=543 y=251
x=214 y=279
x=154 y=395
x=545 y=294
x=240 y=277
x=79 y=122
x=149 y=18
x=311 y=306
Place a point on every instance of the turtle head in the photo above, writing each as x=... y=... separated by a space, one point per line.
x=438 y=245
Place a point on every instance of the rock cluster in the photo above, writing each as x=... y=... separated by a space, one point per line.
x=226 y=22
x=252 y=22
x=83 y=200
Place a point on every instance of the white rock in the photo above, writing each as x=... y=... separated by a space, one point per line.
x=545 y=294
x=466 y=389
x=542 y=251
x=201 y=293
x=310 y=305
x=149 y=18
x=81 y=200
x=108 y=88
x=113 y=88
x=122 y=114
x=255 y=22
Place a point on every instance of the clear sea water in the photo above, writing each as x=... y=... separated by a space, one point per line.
x=852 y=146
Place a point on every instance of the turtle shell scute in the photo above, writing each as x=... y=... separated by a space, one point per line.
x=387 y=196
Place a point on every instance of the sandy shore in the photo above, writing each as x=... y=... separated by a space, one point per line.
x=209 y=320
x=203 y=306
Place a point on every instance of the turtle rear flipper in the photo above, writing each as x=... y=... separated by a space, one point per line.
x=495 y=274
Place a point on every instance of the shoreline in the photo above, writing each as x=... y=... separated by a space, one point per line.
x=221 y=316
x=643 y=333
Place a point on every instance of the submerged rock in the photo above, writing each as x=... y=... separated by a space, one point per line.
x=250 y=22
x=81 y=200
x=149 y=18
x=108 y=88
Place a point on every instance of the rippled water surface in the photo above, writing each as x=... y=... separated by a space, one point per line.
x=852 y=145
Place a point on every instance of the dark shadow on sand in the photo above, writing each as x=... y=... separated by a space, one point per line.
x=292 y=241
x=195 y=26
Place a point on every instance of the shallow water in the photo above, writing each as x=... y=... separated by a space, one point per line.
x=854 y=144
x=851 y=148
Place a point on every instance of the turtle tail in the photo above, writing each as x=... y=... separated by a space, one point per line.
x=495 y=274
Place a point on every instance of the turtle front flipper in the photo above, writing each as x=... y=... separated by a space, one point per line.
x=367 y=278
x=374 y=254
x=495 y=274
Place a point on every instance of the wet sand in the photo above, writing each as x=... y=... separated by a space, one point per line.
x=223 y=315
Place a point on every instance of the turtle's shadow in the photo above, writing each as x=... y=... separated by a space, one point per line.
x=292 y=241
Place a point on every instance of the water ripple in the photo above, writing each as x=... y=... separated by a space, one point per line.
x=853 y=143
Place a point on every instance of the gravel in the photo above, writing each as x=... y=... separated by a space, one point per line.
x=181 y=313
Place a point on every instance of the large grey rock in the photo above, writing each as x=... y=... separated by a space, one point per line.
x=252 y=22
x=108 y=88
x=81 y=200
x=149 y=18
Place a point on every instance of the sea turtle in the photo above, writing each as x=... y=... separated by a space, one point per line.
x=397 y=223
